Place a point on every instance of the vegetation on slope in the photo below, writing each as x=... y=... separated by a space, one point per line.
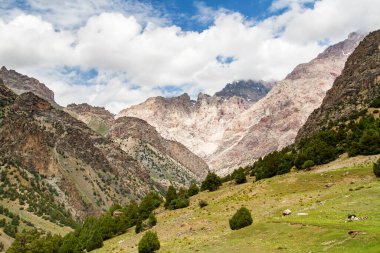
x=323 y=197
x=89 y=235
x=358 y=135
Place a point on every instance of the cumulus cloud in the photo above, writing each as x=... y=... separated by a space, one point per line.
x=136 y=57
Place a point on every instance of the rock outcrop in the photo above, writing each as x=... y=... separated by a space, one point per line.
x=19 y=84
x=249 y=90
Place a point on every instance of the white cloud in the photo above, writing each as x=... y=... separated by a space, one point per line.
x=129 y=52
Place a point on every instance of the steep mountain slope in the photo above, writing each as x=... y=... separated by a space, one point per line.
x=233 y=132
x=21 y=83
x=353 y=91
x=168 y=162
x=273 y=122
x=87 y=171
x=97 y=118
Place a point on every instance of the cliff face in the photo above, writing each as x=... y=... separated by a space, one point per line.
x=231 y=132
x=19 y=84
x=167 y=162
x=199 y=125
x=89 y=172
x=353 y=90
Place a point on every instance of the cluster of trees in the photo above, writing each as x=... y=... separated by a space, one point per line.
x=91 y=234
x=239 y=176
x=10 y=227
x=359 y=135
x=38 y=194
x=181 y=199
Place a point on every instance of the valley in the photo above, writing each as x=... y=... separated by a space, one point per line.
x=291 y=165
x=353 y=190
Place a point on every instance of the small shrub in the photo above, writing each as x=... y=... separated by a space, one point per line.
x=179 y=203
x=139 y=226
x=202 y=203
x=149 y=243
x=308 y=164
x=95 y=241
x=242 y=218
x=193 y=190
x=376 y=168
x=152 y=220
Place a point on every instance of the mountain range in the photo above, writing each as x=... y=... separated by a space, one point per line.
x=229 y=131
x=80 y=160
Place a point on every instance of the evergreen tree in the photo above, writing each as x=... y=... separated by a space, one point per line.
x=242 y=218
x=376 y=168
x=240 y=177
x=139 y=226
x=95 y=241
x=193 y=190
x=211 y=183
x=171 y=194
x=149 y=243
x=152 y=220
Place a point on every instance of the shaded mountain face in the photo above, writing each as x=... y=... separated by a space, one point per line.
x=249 y=90
x=88 y=172
x=168 y=162
x=354 y=90
x=19 y=84
x=233 y=132
x=97 y=118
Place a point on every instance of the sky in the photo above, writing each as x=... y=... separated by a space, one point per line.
x=117 y=53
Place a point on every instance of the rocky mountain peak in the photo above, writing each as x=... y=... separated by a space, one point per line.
x=21 y=83
x=249 y=90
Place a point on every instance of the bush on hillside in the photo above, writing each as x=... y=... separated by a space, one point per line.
x=240 y=177
x=95 y=241
x=139 y=227
x=211 y=183
x=242 y=218
x=171 y=195
x=193 y=190
x=152 y=220
x=376 y=168
x=308 y=164
x=149 y=243
x=202 y=203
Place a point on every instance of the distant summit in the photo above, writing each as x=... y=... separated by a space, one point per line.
x=19 y=84
x=250 y=90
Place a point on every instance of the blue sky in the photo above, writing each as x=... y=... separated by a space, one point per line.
x=116 y=53
x=182 y=11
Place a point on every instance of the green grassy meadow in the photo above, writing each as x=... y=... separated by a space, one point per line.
x=327 y=194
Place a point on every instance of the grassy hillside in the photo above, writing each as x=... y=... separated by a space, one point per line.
x=328 y=194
